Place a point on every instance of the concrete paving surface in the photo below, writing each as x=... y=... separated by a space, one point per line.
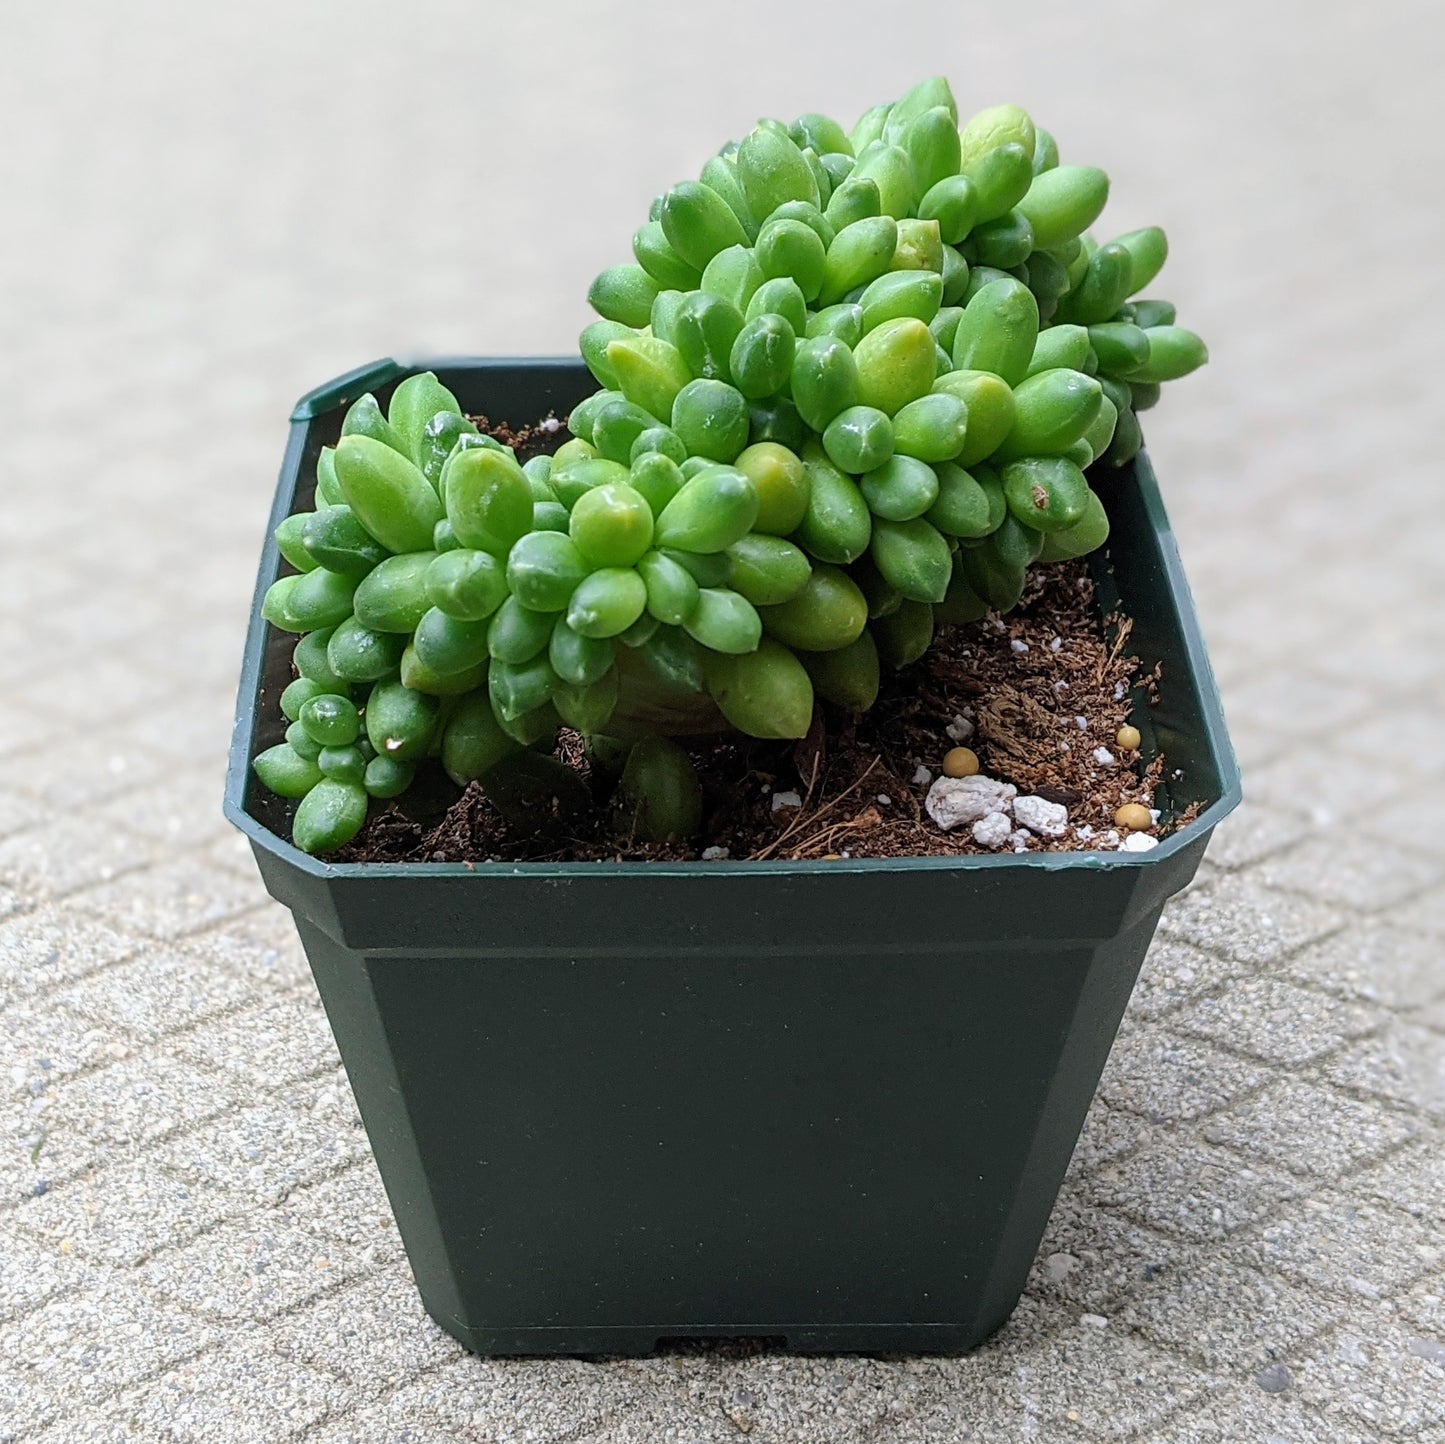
x=209 y=208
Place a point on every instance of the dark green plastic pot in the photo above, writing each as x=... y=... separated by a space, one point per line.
x=825 y=1102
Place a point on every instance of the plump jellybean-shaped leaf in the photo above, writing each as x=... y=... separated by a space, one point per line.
x=1121 y=346
x=328 y=488
x=767 y=569
x=467 y=584
x=364 y=417
x=330 y=719
x=1143 y=395
x=913 y=556
x=855 y=199
x=998 y=331
x=765 y=693
x=1052 y=410
x=310 y=660
x=954 y=204
x=657 y=479
x=616 y=425
x=386 y=778
x=915 y=293
x=955 y=277
x=301 y=691
x=890 y=167
x=285 y=772
x=573 y=481
x=1126 y=442
x=859 y=439
x=901 y=489
x=810 y=216
x=829 y=611
x=606 y=602
x=1148 y=250
x=780 y=482
x=999 y=581
x=963 y=508
x=588 y=707
x=1087 y=534
x=932 y=143
x=443 y=538
x=1064 y=202
x=990 y=404
x=519 y=688
x=656 y=256
x=869 y=127
x=595 y=339
x=534 y=728
x=623 y=293
x=1066 y=346
x=698 y=223
x=780 y=297
x=649 y=372
x=883 y=597
x=896 y=364
x=577 y=659
x=389 y=496
x=836 y=525
x=518 y=633
x=762 y=356
x=342 y=764
x=291 y=541
x=775 y=418
x=1045 y=493
x=1003 y=242
x=711 y=511
x=671 y=589
x=611 y=525
x=932 y=428
x=820 y=132
x=847 y=676
x=919 y=247
x=772 y=170
x=335 y=539
x=439 y=438
x=489 y=501
x=314 y=599
x=358 y=653
x=724 y=621
x=1001 y=178
x=711 y=417
x=1148 y=314
x=860 y=252
x=843 y=320
x=838 y=166
x=1173 y=352
x=661 y=439
x=413 y=405
x=791 y=248
x=733 y=275
x=1099 y=294
x=918 y=100
x=579 y=423
x=825 y=380
x=299 y=740
x=473 y=742
x=659 y=798
x=720 y=175
x=329 y=816
x=447 y=645
x=706 y=327
x=709 y=569
x=999 y=125
x=904 y=636
x=669 y=660
x=543 y=569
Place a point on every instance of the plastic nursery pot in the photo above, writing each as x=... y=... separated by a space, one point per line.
x=826 y=1102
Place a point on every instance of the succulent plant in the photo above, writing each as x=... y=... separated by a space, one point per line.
x=851 y=387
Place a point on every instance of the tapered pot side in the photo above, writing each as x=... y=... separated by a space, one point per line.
x=827 y=1102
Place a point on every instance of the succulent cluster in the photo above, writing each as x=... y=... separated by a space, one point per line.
x=851 y=386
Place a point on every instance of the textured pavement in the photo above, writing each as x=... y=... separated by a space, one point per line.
x=208 y=209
